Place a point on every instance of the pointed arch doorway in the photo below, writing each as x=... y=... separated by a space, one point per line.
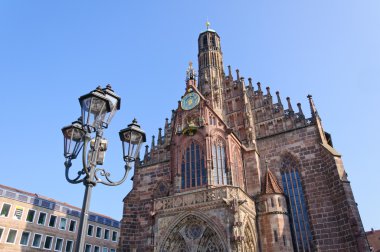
x=192 y=234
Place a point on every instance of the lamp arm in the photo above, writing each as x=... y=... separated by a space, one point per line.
x=76 y=180
x=107 y=175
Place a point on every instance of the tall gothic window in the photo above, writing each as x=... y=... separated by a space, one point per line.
x=193 y=168
x=219 y=164
x=291 y=182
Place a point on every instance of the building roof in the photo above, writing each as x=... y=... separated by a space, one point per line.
x=270 y=184
x=52 y=204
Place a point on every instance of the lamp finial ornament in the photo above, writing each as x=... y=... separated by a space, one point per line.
x=208 y=24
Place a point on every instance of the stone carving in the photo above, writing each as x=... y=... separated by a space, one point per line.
x=213 y=196
x=192 y=235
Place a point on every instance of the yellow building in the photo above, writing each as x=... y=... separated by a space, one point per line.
x=31 y=222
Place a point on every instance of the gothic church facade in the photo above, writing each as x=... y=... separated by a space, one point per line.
x=237 y=169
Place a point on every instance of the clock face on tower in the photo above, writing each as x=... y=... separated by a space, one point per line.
x=190 y=101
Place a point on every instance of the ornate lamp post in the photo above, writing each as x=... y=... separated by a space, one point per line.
x=86 y=135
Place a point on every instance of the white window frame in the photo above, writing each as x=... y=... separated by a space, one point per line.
x=96 y=246
x=34 y=236
x=72 y=247
x=117 y=233
x=59 y=224
x=34 y=216
x=55 y=223
x=109 y=233
x=105 y=250
x=75 y=226
x=112 y=250
x=55 y=244
x=9 y=230
x=10 y=209
x=27 y=242
x=101 y=232
x=51 y=243
x=88 y=228
x=1 y=235
x=39 y=218
x=14 y=213
x=87 y=244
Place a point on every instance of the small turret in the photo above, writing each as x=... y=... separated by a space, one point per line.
x=268 y=92
x=300 y=112
x=146 y=154
x=153 y=143
x=278 y=98
x=273 y=218
x=290 y=108
x=229 y=72
x=250 y=84
x=159 y=138
x=259 y=88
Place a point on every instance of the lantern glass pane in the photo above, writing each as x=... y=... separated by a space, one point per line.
x=131 y=144
x=93 y=111
x=112 y=113
x=73 y=140
x=74 y=133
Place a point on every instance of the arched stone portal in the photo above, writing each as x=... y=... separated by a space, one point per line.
x=192 y=234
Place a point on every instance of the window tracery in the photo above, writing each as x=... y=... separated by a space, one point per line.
x=193 y=170
x=292 y=185
x=219 y=169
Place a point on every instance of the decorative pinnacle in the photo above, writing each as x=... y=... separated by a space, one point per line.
x=190 y=72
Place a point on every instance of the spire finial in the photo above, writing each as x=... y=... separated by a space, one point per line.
x=208 y=24
x=266 y=163
x=314 y=112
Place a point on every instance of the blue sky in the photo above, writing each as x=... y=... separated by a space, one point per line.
x=52 y=52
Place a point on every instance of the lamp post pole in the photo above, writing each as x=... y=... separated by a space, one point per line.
x=98 y=108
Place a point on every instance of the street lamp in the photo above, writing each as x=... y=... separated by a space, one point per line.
x=97 y=109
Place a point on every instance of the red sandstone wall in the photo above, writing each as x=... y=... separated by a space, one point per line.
x=334 y=218
x=138 y=218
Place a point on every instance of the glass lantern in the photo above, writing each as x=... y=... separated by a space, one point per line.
x=95 y=107
x=73 y=139
x=132 y=138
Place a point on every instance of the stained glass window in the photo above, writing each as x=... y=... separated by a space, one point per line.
x=193 y=170
x=291 y=181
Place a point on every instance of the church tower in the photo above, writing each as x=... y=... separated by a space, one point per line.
x=211 y=74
